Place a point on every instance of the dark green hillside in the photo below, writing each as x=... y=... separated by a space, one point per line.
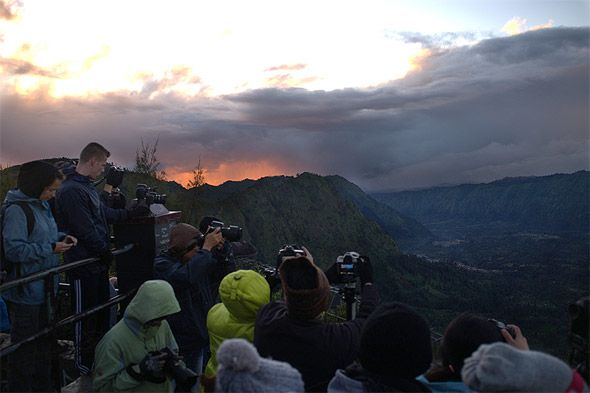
x=303 y=209
x=405 y=230
x=549 y=204
x=331 y=216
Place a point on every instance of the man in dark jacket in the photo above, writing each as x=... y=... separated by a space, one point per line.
x=81 y=212
x=193 y=272
x=291 y=331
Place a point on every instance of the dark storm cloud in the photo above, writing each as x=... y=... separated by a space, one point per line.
x=504 y=107
x=21 y=67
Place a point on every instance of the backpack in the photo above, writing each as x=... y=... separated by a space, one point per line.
x=6 y=266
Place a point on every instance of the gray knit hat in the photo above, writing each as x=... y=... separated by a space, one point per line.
x=241 y=369
x=500 y=367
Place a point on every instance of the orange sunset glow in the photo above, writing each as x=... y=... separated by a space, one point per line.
x=229 y=171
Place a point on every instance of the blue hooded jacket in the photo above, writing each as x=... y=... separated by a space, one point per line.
x=195 y=286
x=81 y=213
x=32 y=252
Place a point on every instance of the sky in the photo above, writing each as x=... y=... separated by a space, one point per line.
x=391 y=95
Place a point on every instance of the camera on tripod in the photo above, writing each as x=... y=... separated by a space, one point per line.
x=148 y=195
x=347 y=266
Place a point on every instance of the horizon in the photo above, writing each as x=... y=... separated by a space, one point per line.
x=441 y=185
x=390 y=95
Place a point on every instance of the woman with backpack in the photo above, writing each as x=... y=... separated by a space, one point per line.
x=31 y=243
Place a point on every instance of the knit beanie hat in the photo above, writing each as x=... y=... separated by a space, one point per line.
x=34 y=176
x=500 y=367
x=305 y=286
x=395 y=341
x=242 y=370
x=181 y=237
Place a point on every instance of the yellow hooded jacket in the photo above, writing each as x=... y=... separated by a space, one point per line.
x=242 y=293
x=129 y=341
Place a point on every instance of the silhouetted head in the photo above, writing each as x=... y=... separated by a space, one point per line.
x=306 y=288
x=463 y=336
x=38 y=178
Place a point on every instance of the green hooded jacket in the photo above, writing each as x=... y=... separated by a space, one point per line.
x=242 y=293
x=129 y=341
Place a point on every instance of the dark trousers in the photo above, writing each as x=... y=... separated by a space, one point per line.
x=29 y=367
x=87 y=293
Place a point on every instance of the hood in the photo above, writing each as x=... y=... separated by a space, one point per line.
x=243 y=292
x=16 y=195
x=154 y=299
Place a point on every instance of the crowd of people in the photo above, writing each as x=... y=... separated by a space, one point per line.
x=203 y=325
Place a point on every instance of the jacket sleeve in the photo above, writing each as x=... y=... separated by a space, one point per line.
x=110 y=373
x=114 y=215
x=75 y=207
x=17 y=247
x=184 y=275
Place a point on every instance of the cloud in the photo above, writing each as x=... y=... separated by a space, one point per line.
x=509 y=106
x=23 y=67
x=517 y=25
x=9 y=9
x=287 y=67
x=439 y=40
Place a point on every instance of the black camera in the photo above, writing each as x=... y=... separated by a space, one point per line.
x=185 y=377
x=289 y=250
x=149 y=195
x=232 y=233
x=347 y=266
x=501 y=325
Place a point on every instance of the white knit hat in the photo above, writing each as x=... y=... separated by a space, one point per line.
x=242 y=370
x=500 y=367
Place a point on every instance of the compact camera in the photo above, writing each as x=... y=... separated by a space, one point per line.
x=289 y=250
x=501 y=325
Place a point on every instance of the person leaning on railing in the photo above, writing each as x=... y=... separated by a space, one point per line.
x=30 y=366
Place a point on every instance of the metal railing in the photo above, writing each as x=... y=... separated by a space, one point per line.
x=48 y=277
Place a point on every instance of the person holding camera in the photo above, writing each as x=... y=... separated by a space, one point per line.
x=139 y=353
x=31 y=243
x=292 y=331
x=189 y=266
x=82 y=212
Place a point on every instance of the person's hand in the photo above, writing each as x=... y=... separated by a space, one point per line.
x=308 y=254
x=151 y=368
x=61 y=247
x=114 y=177
x=365 y=270
x=139 y=210
x=106 y=258
x=518 y=341
x=69 y=239
x=212 y=239
x=119 y=201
